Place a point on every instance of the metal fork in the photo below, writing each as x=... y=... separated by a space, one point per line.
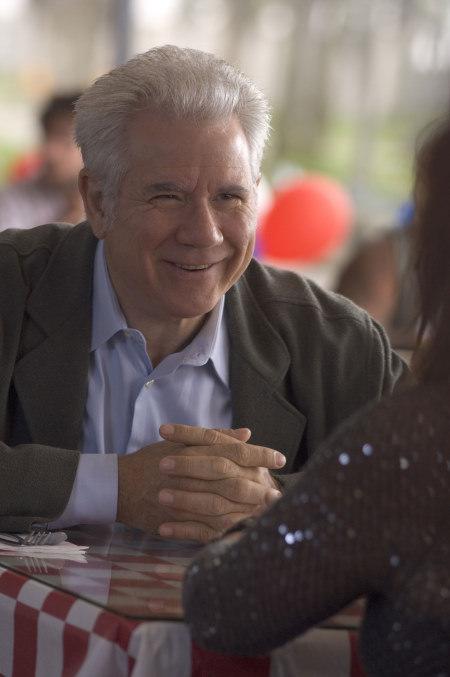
x=37 y=537
x=34 y=537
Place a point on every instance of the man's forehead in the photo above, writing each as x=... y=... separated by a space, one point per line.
x=188 y=151
x=185 y=134
x=187 y=177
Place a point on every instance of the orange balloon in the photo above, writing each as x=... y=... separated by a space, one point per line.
x=308 y=220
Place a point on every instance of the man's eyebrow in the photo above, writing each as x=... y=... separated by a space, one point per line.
x=164 y=186
x=234 y=188
x=174 y=186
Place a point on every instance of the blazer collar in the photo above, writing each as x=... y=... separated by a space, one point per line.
x=67 y=281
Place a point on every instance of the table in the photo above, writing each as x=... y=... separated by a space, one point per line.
x=118 y=613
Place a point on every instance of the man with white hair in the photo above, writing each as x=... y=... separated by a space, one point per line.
x=153 y=313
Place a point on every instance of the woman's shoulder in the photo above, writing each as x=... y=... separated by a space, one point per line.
x=418 y=404
x=411 y=424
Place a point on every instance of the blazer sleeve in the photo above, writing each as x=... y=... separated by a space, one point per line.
x=36 y=474
x=35 y=484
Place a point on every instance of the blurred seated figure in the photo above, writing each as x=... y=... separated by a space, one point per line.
x=51 y=192
x=369 y=515
x=378 y=279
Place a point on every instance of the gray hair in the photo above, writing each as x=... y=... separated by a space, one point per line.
x=180 y=83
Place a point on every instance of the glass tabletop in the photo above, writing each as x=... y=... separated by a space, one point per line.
x=131 y=573
x=126 y=571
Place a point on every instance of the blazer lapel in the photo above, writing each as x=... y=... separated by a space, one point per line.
x=51 y=377
x=259 y=361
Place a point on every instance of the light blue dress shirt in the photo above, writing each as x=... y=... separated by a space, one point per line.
x=128 y=400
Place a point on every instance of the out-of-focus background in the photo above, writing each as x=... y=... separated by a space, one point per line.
x=351 y=83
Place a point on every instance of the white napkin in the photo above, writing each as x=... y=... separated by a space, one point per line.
x=56 y=547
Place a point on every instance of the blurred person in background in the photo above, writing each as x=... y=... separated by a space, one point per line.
x=369 y=515
x=378 y=278
x=154 y=311
x=51 y=192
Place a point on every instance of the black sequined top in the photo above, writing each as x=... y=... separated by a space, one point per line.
x=370 y=516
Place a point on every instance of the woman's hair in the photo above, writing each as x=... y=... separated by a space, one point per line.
x=178 y=83
x=431 y=252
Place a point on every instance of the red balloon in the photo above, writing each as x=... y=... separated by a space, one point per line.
x=24 y=167
x=308 y=220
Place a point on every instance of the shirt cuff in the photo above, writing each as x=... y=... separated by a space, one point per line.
x=94 y=493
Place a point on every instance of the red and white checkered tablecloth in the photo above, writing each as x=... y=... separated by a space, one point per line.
x=92 y=620
x=46 y=632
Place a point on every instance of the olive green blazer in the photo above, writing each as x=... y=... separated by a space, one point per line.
x=301 y=360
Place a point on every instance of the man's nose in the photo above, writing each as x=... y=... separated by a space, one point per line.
x=200 y=226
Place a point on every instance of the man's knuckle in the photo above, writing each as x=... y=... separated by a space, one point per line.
x=213 y=435
x=187 y=465
x=203 y=534
x=217 y=504
x=241 y=453
x=238 y=489
x=223 y=466
x=228 y=521
x=208 y=436
x=262 y=476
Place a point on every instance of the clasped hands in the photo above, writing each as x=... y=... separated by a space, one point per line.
x=196 y=482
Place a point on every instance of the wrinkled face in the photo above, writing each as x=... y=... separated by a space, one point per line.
x=61 y=156
x=185 y=218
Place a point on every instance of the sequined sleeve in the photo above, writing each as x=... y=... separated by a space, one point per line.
x=369 y=503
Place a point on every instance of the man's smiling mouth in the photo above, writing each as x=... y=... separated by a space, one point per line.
x=185 y=266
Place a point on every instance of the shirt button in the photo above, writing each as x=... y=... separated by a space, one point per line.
x=127 y=334
x=149 y=384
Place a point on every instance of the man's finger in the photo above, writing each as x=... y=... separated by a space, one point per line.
x=241 y=434
x=212 y=468
x=221 y=497
x=198 y=531
x=195 y=436
x=188 y=531
x=204 y=504
x=221 y=460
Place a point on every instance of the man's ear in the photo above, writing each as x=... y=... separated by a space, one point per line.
x=93 y=202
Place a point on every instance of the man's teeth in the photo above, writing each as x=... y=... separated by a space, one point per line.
x=186 y=267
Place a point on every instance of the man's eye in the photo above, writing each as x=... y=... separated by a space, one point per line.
x=165 y=200
x=230 y=197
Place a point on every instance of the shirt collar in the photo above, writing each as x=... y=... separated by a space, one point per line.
x=107 y=317
x=211 y=342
